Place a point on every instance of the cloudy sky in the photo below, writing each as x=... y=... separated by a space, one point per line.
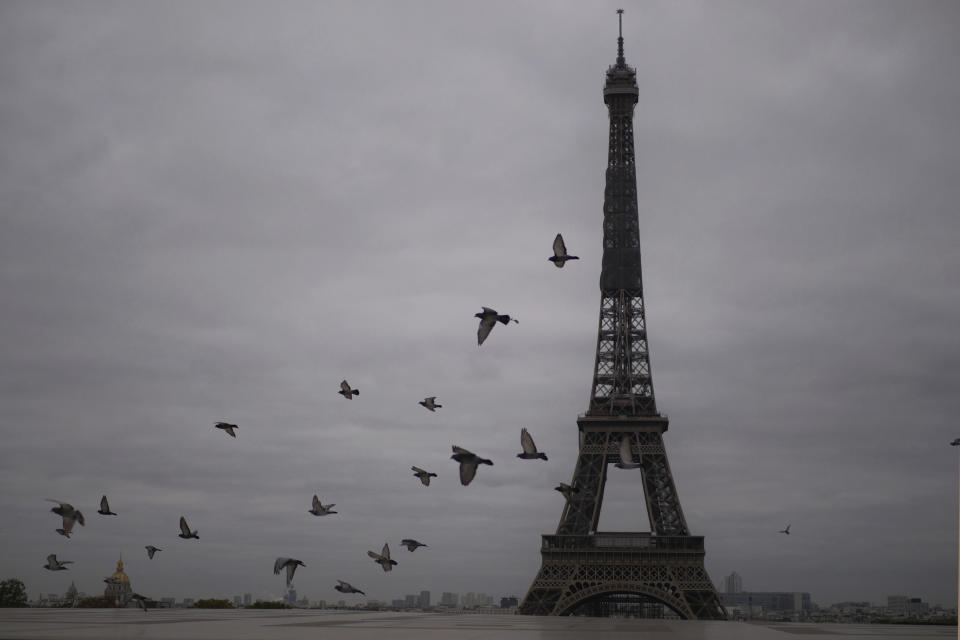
x=217 y=211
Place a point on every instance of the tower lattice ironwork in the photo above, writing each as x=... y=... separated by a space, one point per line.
x=588 y=572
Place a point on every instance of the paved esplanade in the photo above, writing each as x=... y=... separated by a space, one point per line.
x=198 y=624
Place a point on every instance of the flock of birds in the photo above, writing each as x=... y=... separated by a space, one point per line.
x=468 y=462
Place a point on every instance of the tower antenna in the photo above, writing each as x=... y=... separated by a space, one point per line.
x=620 y=59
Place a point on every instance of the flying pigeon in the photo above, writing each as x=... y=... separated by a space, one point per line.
x=529 y=449
x=567 y=490
x=321 y=509
x=424 y=475
x=56 y=565
x=112 y=580
x=468 y=464
x=141 y=600
x=67 y=511
x=411 y=544
x=626 y=456
x=346 y=587
x=430 y=403
x=488 y=318
x=560 y=256
x=68 y=522
x=104 y=509
x=151 y=550
x=185 y=532
x=229 y=428
x=346 y=391
x=955 y=442
x=786 y=531
x=383 y=558
x=291 y=566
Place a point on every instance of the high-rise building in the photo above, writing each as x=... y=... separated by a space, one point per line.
x=236 y=601
x=733 y=583
x=424 y=599
x=247 y=599
x=449 y=599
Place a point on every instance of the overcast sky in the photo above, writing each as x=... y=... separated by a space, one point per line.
x=217 y=211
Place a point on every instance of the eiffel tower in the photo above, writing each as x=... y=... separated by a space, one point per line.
x=583 y=571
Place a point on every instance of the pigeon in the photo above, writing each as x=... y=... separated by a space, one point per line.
x=112 y=580
x=321 y=509
x=560 y=256
x=67 y=511
x=56 y=565
x=185 y=532
x=151 y=550
x=291 y=565
x=430 y=403
x=383 y=558
x=229 y=428
x=955 y=442
x=468 y=464
x=346 y=587
x=567 y=490
x=488 y=318
x=786 y=531
x=141 y=600
x=411 y=544
x=104 y=509
x=68 y=522
x=626 y=456
x=424 y=475
x=529 y=449
x=346 y=391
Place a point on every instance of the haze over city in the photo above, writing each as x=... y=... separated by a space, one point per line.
x=218 y=211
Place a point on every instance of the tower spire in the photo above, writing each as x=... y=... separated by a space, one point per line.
x=620 y=59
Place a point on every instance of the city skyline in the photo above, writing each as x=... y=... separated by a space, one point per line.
x=219 y=212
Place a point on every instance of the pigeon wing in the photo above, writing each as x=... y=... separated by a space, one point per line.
x=386 y=551
x=559 y=248
x=461 y=450
x=345 y=386
x=467 y=471
x=104 y=505
x=375 y=555
x=316 y=503
x=52 y=560
x=486 y=325
x=527 y=442
x=291 y=567
x=184 y=529
x=626 y=456
x=278 y=564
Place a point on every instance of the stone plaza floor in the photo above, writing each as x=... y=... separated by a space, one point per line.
x=199 y=624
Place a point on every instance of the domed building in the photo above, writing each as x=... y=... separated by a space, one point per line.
x=118 y=589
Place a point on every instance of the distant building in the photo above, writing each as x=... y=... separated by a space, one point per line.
x=786 y=602
x=292 y=597
x=506 y=603
x=236 y=601
x=71 y=594
x=733 y=583
x=448 y=599
x=468 y=600
x=424 y=599
x=247 y=599
x=118 y=589
x=187 y=603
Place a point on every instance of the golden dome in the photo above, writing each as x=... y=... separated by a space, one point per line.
x=119 y=575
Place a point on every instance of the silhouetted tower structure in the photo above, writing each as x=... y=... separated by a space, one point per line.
x=584 y=571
